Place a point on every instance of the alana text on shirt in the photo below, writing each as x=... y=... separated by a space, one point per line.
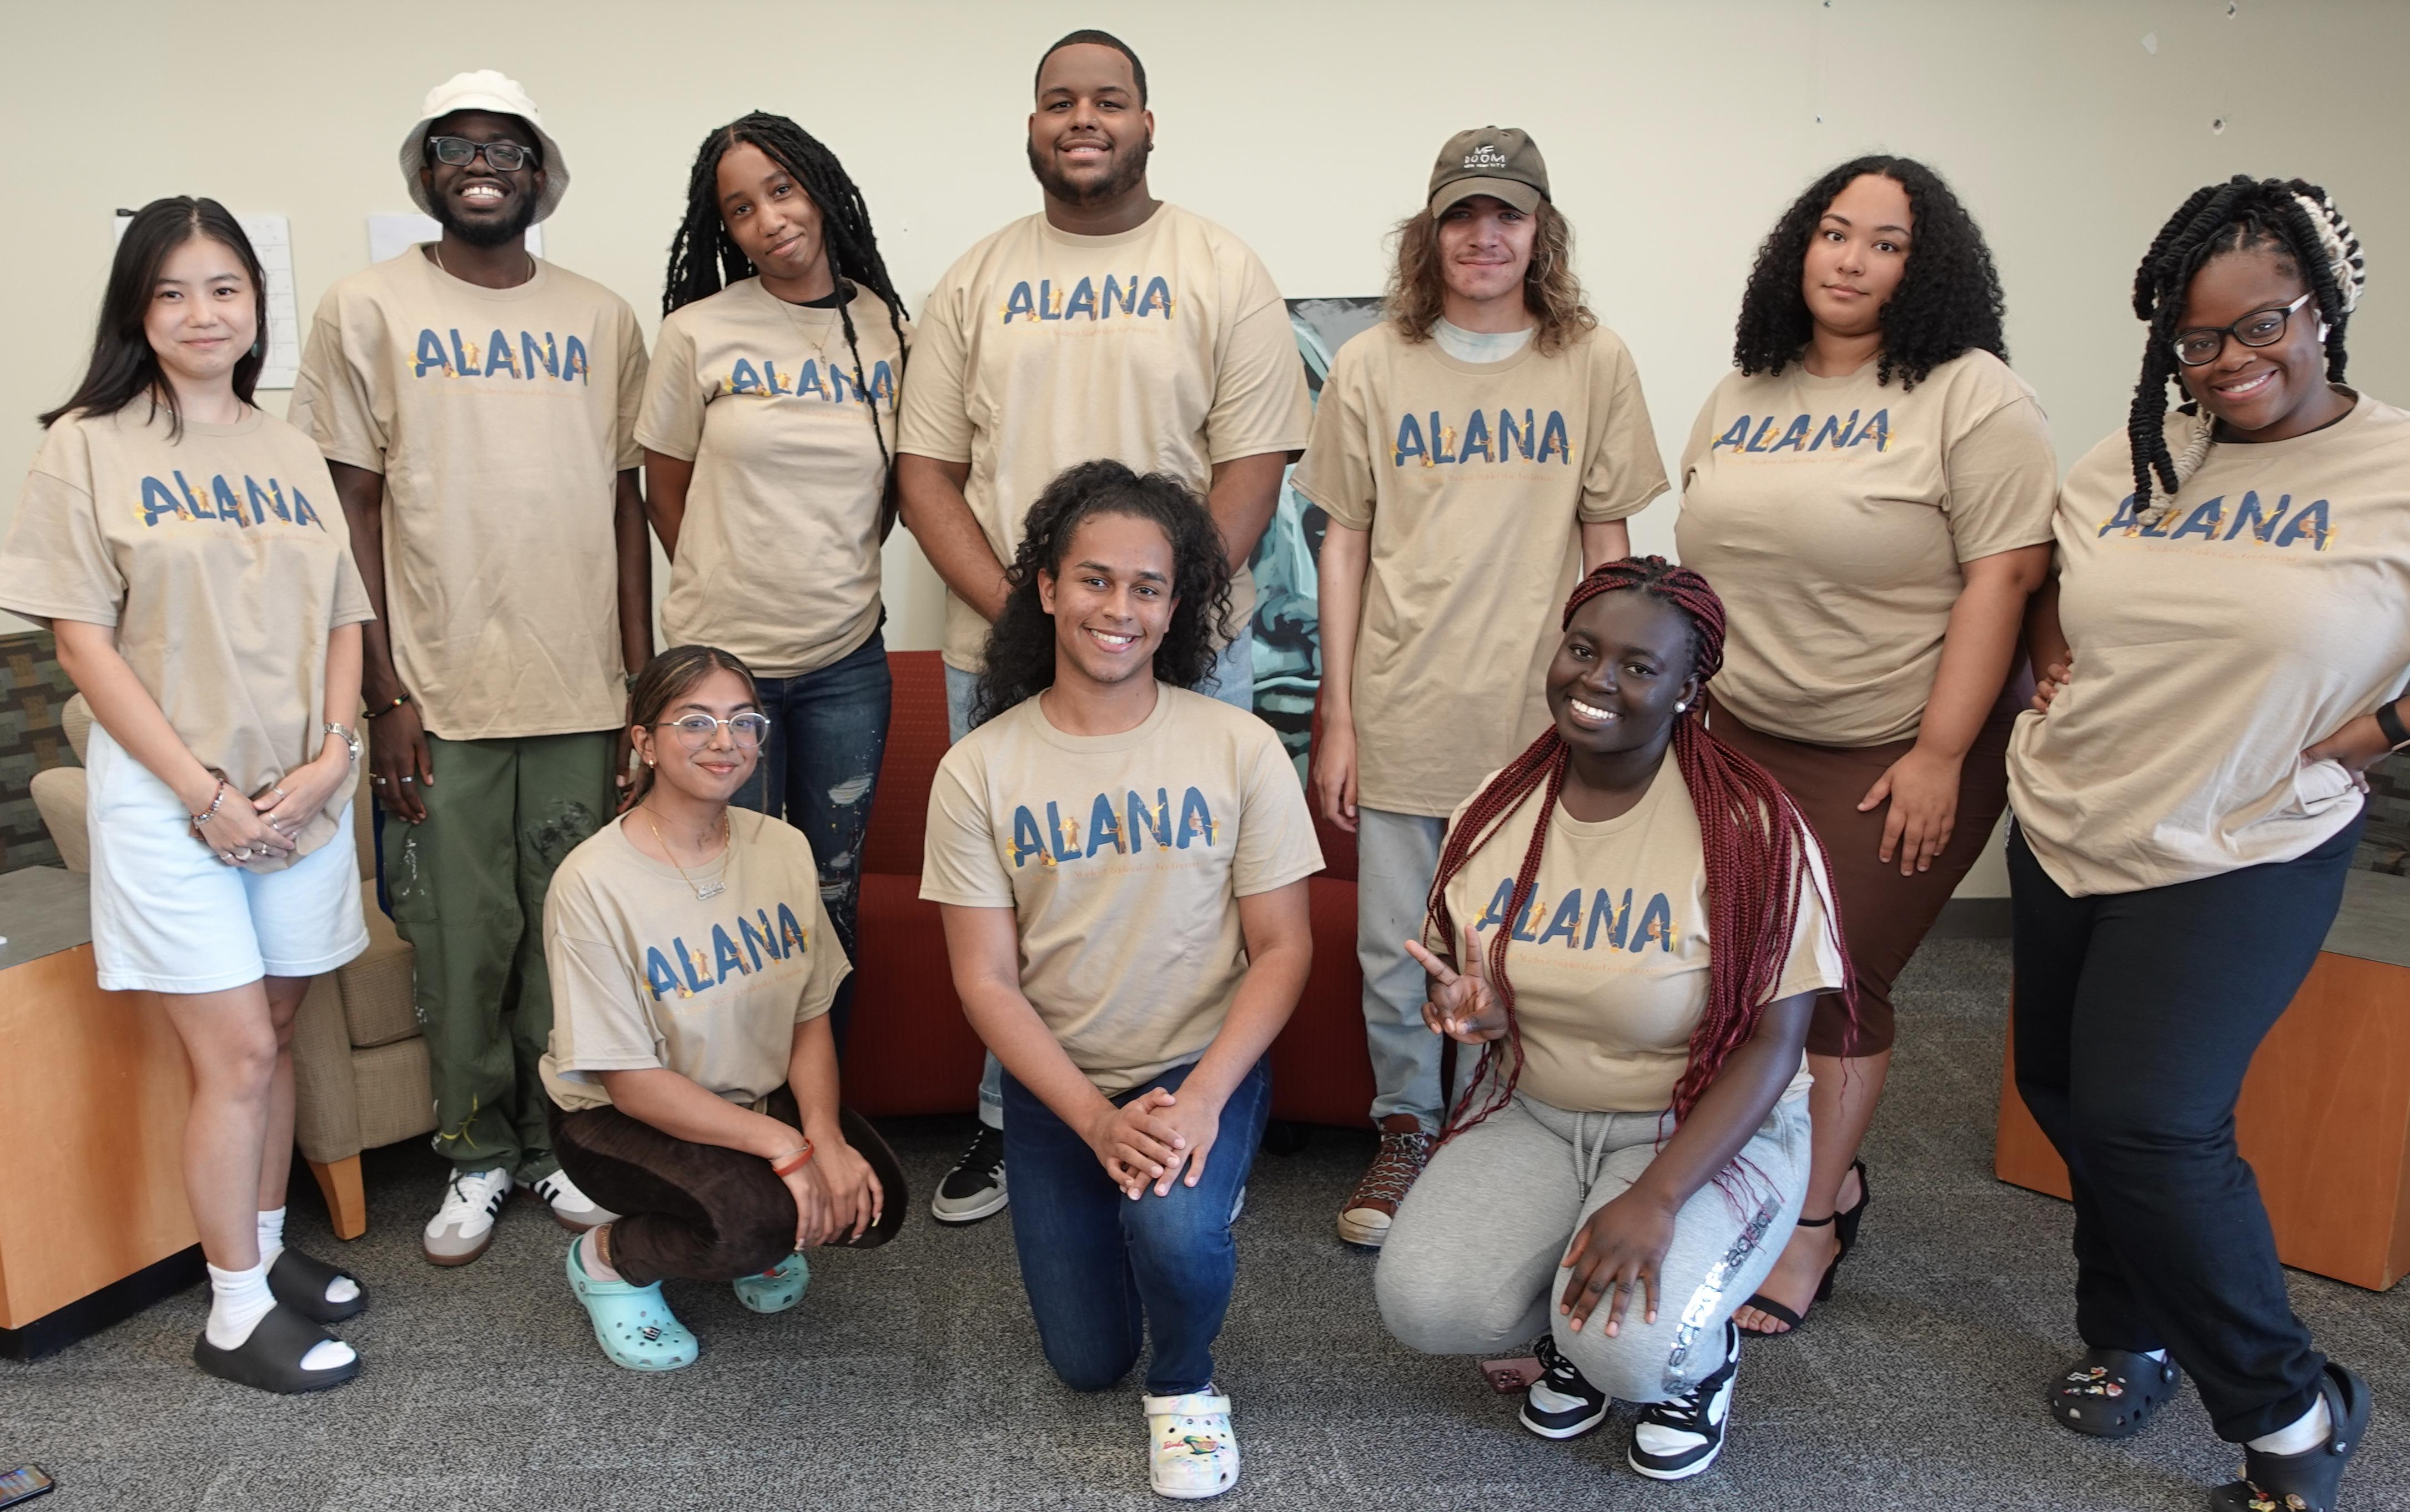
x=551 y=358
x=769 y=383
x=1083 y=300
x=185 y=503
x=2254 y=523
x=765 y=946
x=1444 y=445
x=1655 y=920
x=1060 y=840
x=1797 y=435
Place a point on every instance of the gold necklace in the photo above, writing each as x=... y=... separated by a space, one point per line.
x=727 y=840
x=436 y=248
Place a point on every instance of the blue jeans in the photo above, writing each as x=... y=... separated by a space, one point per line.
x=1101 y=1269
x=820 y=771
x=1232 y=680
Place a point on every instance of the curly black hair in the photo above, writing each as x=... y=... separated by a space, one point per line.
x=2242 y=213
x=1020 y=645
x=1948 y=302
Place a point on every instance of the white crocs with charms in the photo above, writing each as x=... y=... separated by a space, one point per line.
x=1192 y=1453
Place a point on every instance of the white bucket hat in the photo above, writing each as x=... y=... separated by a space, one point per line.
x=483 y=89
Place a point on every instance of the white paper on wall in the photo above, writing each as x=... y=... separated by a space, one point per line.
x=271 y=238
x=390 y=236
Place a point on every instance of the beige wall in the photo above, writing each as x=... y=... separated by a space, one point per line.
x=1675 y=133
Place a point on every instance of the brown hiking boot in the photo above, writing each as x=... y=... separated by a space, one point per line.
x=1364 y=1217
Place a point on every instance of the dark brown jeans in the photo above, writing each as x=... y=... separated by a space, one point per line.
x=694 y=1212
x=1884 y=916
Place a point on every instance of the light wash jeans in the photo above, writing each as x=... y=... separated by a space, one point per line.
x=1233 y=681
x=1397 y=855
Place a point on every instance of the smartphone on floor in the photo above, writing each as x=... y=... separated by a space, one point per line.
x=24 y=1484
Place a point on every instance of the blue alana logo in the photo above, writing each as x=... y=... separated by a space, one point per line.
x=551 y=358
x=2281 y=527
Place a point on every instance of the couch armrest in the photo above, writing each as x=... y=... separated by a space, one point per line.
x=60 y=795
x=325 y=1094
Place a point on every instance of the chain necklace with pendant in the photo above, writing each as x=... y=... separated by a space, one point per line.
x=727 y=840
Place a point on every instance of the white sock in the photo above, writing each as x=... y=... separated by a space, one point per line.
x=2306 y=1433
x=271 y=1244
x=589 y=1258
x=240 y=1299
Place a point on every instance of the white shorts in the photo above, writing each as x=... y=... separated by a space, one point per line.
x=167 y=916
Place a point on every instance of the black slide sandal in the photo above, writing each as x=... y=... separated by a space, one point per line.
x=271 y=1358
x=2304 y=1482
x=301 y=1281
x=2112 y=1393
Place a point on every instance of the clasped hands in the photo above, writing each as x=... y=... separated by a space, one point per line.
x=1151 y=1137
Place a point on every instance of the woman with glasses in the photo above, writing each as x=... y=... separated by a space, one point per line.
x=768 y=429
x=2222 y=657
x=1870 y=492
x=692 y=1075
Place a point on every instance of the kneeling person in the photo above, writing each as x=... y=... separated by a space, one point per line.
x=693 y=1074
x=1637 y=1132
x=1122 y=867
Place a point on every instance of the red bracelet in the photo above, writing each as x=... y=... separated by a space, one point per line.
x=793 y=1161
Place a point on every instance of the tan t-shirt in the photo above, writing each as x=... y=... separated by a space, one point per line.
x=223 y=561
x=2268 y=609
x=1123 y=857
x=777 y=556
x=499 y=419
x=646 y=974
x=1473 y=479
x=1609 y=961
x=1165 y=347
x=1832 y=515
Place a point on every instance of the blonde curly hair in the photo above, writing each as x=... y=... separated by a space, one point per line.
x=1418 y=288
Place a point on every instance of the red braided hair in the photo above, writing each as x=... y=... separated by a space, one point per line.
x=1753 y=836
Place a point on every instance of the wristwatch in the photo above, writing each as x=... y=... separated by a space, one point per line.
x=351 y=738
x=2389 y=718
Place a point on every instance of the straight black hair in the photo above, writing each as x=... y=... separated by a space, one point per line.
x=123 y=368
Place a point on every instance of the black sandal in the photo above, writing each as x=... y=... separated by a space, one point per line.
x=271 y=1359
x=2112 y=1393
x=301 y=1281
x=2304 y=1482
x=1845 y=1225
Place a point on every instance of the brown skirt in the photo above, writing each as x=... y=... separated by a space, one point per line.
x=1884 y=916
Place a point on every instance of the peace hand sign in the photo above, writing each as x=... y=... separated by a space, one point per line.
x=1461 y=1005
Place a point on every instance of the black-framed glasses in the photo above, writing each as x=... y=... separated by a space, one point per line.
x=459 y=152
x=694 y=730
x=2199 y=347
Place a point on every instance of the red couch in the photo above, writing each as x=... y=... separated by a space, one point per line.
x=911 y=1050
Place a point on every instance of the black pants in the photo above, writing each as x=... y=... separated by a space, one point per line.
x=2136 y=1014
x=694 y=1212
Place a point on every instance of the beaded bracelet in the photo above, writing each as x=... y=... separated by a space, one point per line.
x=399 y=700
x=217 y=801
x=793 y=1161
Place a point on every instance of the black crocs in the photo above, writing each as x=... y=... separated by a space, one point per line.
x=2112 y=1393
x=894 y=1195
x=301 y=1281
x=2304 y=1482
x=271 y=1359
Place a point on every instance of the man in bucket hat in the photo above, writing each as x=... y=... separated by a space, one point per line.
x=477 y=406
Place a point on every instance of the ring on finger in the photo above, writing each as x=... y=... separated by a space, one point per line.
x=378 y=780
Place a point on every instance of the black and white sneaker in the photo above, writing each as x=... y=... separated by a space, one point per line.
x=974 y=1189
x=1675 y=1440
x=1560 y=1403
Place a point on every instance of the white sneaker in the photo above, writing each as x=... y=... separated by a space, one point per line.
x=463 y=1226
x=1192 y=1453
x=571 y=1208
x=1675 y=1440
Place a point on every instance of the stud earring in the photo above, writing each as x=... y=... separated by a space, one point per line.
x=1680 y=707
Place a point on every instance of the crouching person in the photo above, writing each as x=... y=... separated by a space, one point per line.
x=1632 y=1155
x=693 y=1074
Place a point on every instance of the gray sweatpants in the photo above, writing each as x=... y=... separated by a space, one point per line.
x=1472 y=1265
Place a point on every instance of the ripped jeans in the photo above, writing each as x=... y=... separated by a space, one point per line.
x=820 y=772
x=1472 y=1263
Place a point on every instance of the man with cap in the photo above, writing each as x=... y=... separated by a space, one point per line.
x=1475 y=451
x=1109 y=324
x=477 y=406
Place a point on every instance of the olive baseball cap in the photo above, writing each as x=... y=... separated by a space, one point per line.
x=1499 y=161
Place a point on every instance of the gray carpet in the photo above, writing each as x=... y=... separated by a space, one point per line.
x=910 y=1376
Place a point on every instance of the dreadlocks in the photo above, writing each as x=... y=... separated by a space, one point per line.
x=1754 y=839
x=2296 y=219
x=704 y=258
x=1948 y=302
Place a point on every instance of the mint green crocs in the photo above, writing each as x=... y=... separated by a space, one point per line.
x=777 y=1289
x=634 y=1325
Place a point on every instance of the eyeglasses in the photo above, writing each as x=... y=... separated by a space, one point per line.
x=695 y=731
x=502 y=156
x=2199 y=347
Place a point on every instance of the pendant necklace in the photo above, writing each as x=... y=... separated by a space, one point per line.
x=728 y=839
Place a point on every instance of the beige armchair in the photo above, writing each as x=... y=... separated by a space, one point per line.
x=359 y=1062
